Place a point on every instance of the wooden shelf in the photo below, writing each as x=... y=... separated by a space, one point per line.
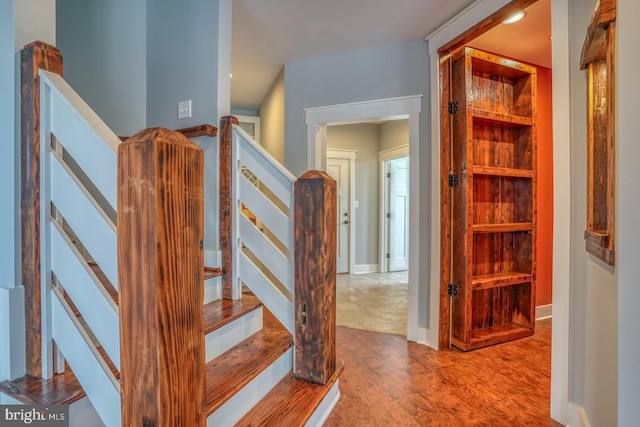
x=493 y=335
x=500 y=119
x=502 y=228
x=502 y=172
x=490 y=281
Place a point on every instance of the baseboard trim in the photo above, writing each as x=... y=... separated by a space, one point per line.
x=365 y=268
x=543 y=312
x=12 y=359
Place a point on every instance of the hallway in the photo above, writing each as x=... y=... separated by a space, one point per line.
x=389 y=382
x=373 y=302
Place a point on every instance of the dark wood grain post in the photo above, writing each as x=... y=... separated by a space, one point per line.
x=160 y=272
x=226 y=205
x=315 y=276
x=33 y=57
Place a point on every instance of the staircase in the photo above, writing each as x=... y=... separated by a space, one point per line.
x=120 y=287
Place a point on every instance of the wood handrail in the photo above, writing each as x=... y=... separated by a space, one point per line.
x=161 y=271
x=191 y=132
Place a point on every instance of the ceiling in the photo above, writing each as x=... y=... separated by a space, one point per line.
x=267 y=34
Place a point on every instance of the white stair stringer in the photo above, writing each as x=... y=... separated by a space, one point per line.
x=245 y=399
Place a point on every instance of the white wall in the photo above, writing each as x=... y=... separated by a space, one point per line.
x=628 y=206
x=271 y=114
x=593 y=285
x=103 y=45
x=365 y=139
x=9 y=152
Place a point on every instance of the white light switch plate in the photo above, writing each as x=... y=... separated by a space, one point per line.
x=184 y=109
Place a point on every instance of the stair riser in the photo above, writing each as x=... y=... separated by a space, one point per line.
x=235 y=408
x=212 y=290
x=326 y=406
x=224 y=338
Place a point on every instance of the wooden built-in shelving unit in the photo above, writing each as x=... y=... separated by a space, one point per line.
x=493 y=209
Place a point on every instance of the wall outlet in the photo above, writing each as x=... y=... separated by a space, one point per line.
x=356 y=204
x=184 y=109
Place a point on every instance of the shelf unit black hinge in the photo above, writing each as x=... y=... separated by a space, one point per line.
x=388 y=256
x=453 y=180
x=453 y=107
x=452 y=289
x=388 y=215
x=388 y=174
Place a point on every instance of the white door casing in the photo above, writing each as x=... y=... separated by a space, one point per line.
x=317 y=120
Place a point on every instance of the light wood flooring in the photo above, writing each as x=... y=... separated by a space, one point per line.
x=388 y=381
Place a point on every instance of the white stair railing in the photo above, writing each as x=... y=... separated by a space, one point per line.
x=263 y=233
x=78 y=198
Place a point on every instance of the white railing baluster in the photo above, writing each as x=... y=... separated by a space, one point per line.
x=78 y=182
x=268 y=196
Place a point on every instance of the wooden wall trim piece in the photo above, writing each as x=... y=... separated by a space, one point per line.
x=160 y=271
x=315 y=222
x=485 y=25
x=595 y=43
x=34 y=56
x=226 y=205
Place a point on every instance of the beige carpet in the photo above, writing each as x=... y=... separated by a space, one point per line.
x=374 y=302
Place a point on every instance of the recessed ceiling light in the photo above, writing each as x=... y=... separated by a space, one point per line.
x=514 y=18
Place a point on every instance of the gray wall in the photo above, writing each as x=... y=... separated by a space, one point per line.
x=393 y=134
x=134 y=60
x=104 y=45
x=593 y=287
x=271 y=114
x=364 y=138
x=9 y=152
x=182 y=61
x=377 y=73
x=628 y=206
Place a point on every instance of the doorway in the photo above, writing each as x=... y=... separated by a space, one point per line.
x=319 y=118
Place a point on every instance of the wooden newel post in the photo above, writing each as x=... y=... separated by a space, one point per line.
x=315 y=276
x=33 y=57
x=226 y=207
x=160 y=272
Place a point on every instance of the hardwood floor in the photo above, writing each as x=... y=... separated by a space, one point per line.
x=390 y=382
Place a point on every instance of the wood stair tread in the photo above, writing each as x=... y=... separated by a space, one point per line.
x=291 y=402
x=221 y=312
x=234 y=369
x=61 y=389
x=210 y=272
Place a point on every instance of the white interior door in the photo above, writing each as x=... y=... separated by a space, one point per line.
x=338 y=169
x=398 y=213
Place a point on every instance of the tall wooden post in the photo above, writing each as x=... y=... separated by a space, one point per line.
x=315 y=276
x=226 y=207
x=33 y=57
x=160 y=271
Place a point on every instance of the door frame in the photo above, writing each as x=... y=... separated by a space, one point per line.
x=468 y=24
x=383 y=241
x=317 y=119
x=335 y=153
